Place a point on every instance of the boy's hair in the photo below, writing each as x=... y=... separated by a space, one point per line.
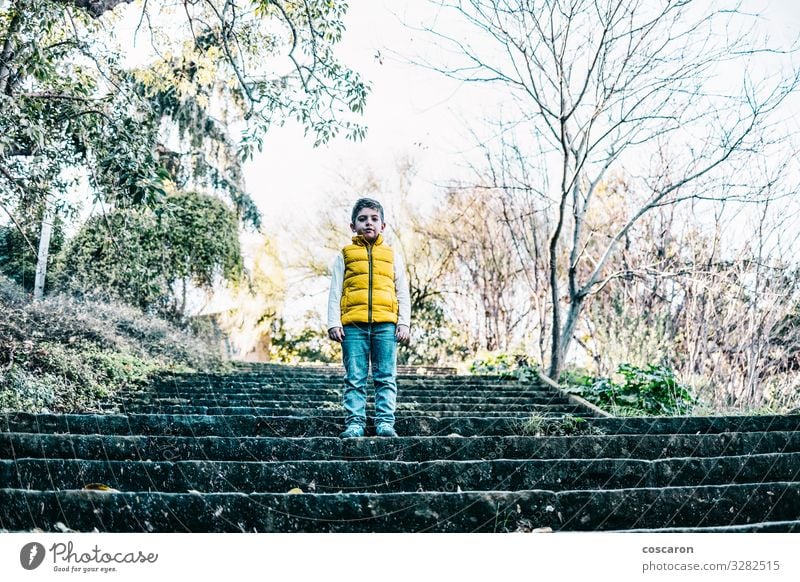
x=363 y=203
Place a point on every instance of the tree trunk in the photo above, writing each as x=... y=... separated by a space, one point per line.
x=183 y=299
x=44 y=248
x=575 y=308
x=7 y=50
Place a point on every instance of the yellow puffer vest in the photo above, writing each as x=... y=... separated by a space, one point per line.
x=368 y=293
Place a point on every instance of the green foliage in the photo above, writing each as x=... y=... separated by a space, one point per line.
x=71 y=112
x=115 y=368
x=202 y=236
x=23 y=391
x=17 y=258
x=65 y=106
x=307 y=345
x=506 y=365
x=140 y=256
x=652 y=391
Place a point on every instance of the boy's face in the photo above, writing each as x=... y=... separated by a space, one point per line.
x=368 y=224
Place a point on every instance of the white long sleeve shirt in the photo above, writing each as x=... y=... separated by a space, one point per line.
x=400 y=285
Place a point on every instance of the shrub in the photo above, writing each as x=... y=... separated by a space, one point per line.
x=653 y=391
x=506 y=365
x=145 y=257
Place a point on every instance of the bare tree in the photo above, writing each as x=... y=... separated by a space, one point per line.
x=625 y=85
x=485 y=283
x=713 y=297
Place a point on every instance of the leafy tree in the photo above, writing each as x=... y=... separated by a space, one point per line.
x=71 y=112
x=147 y=257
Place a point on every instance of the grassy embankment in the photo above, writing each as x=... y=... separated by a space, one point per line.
x=63 y=354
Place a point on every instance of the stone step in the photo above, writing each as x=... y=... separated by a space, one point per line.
x=330 y=376
x=285 y=409
x=266 y=400
x=697 y=424
x=212 y=448
x=243 y=425
x=397 y=476
x=421 y=370
x=337 y=412
x=704 y=506
x=209 y=425
x=324 y=374
x=434 y=388
x=625 y=509
x=760 y=527
x=337 y=371
x=219 y=452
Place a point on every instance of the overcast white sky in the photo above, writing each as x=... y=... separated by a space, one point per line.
x=410 y=111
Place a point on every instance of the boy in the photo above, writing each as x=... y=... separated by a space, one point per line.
x=369 y=311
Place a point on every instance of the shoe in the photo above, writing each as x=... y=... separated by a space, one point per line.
x=385 y=430
x=352 y=431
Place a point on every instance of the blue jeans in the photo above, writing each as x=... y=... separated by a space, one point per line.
x=364 y=343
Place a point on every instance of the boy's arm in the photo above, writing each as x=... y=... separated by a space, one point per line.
x=403 y=300
x=335 y=331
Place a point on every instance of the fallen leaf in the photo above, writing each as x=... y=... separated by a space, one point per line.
x=100 y=487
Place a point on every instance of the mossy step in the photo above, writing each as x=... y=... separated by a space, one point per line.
x=266 y=399
x=16 y=445
x=402 y=414
x=704 y=506
x=325 y=375
x=122 y=447
x=760 y=527
x=430 y=388
x=244 y=425
x=398 y=476
x=403 y=409
x=208 y=425
x=697 y=424
x=330 y=376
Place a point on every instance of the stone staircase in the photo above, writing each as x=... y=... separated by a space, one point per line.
x=258 y=451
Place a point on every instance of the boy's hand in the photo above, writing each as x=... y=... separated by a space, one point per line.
x=336 y=334
x=403 y=334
